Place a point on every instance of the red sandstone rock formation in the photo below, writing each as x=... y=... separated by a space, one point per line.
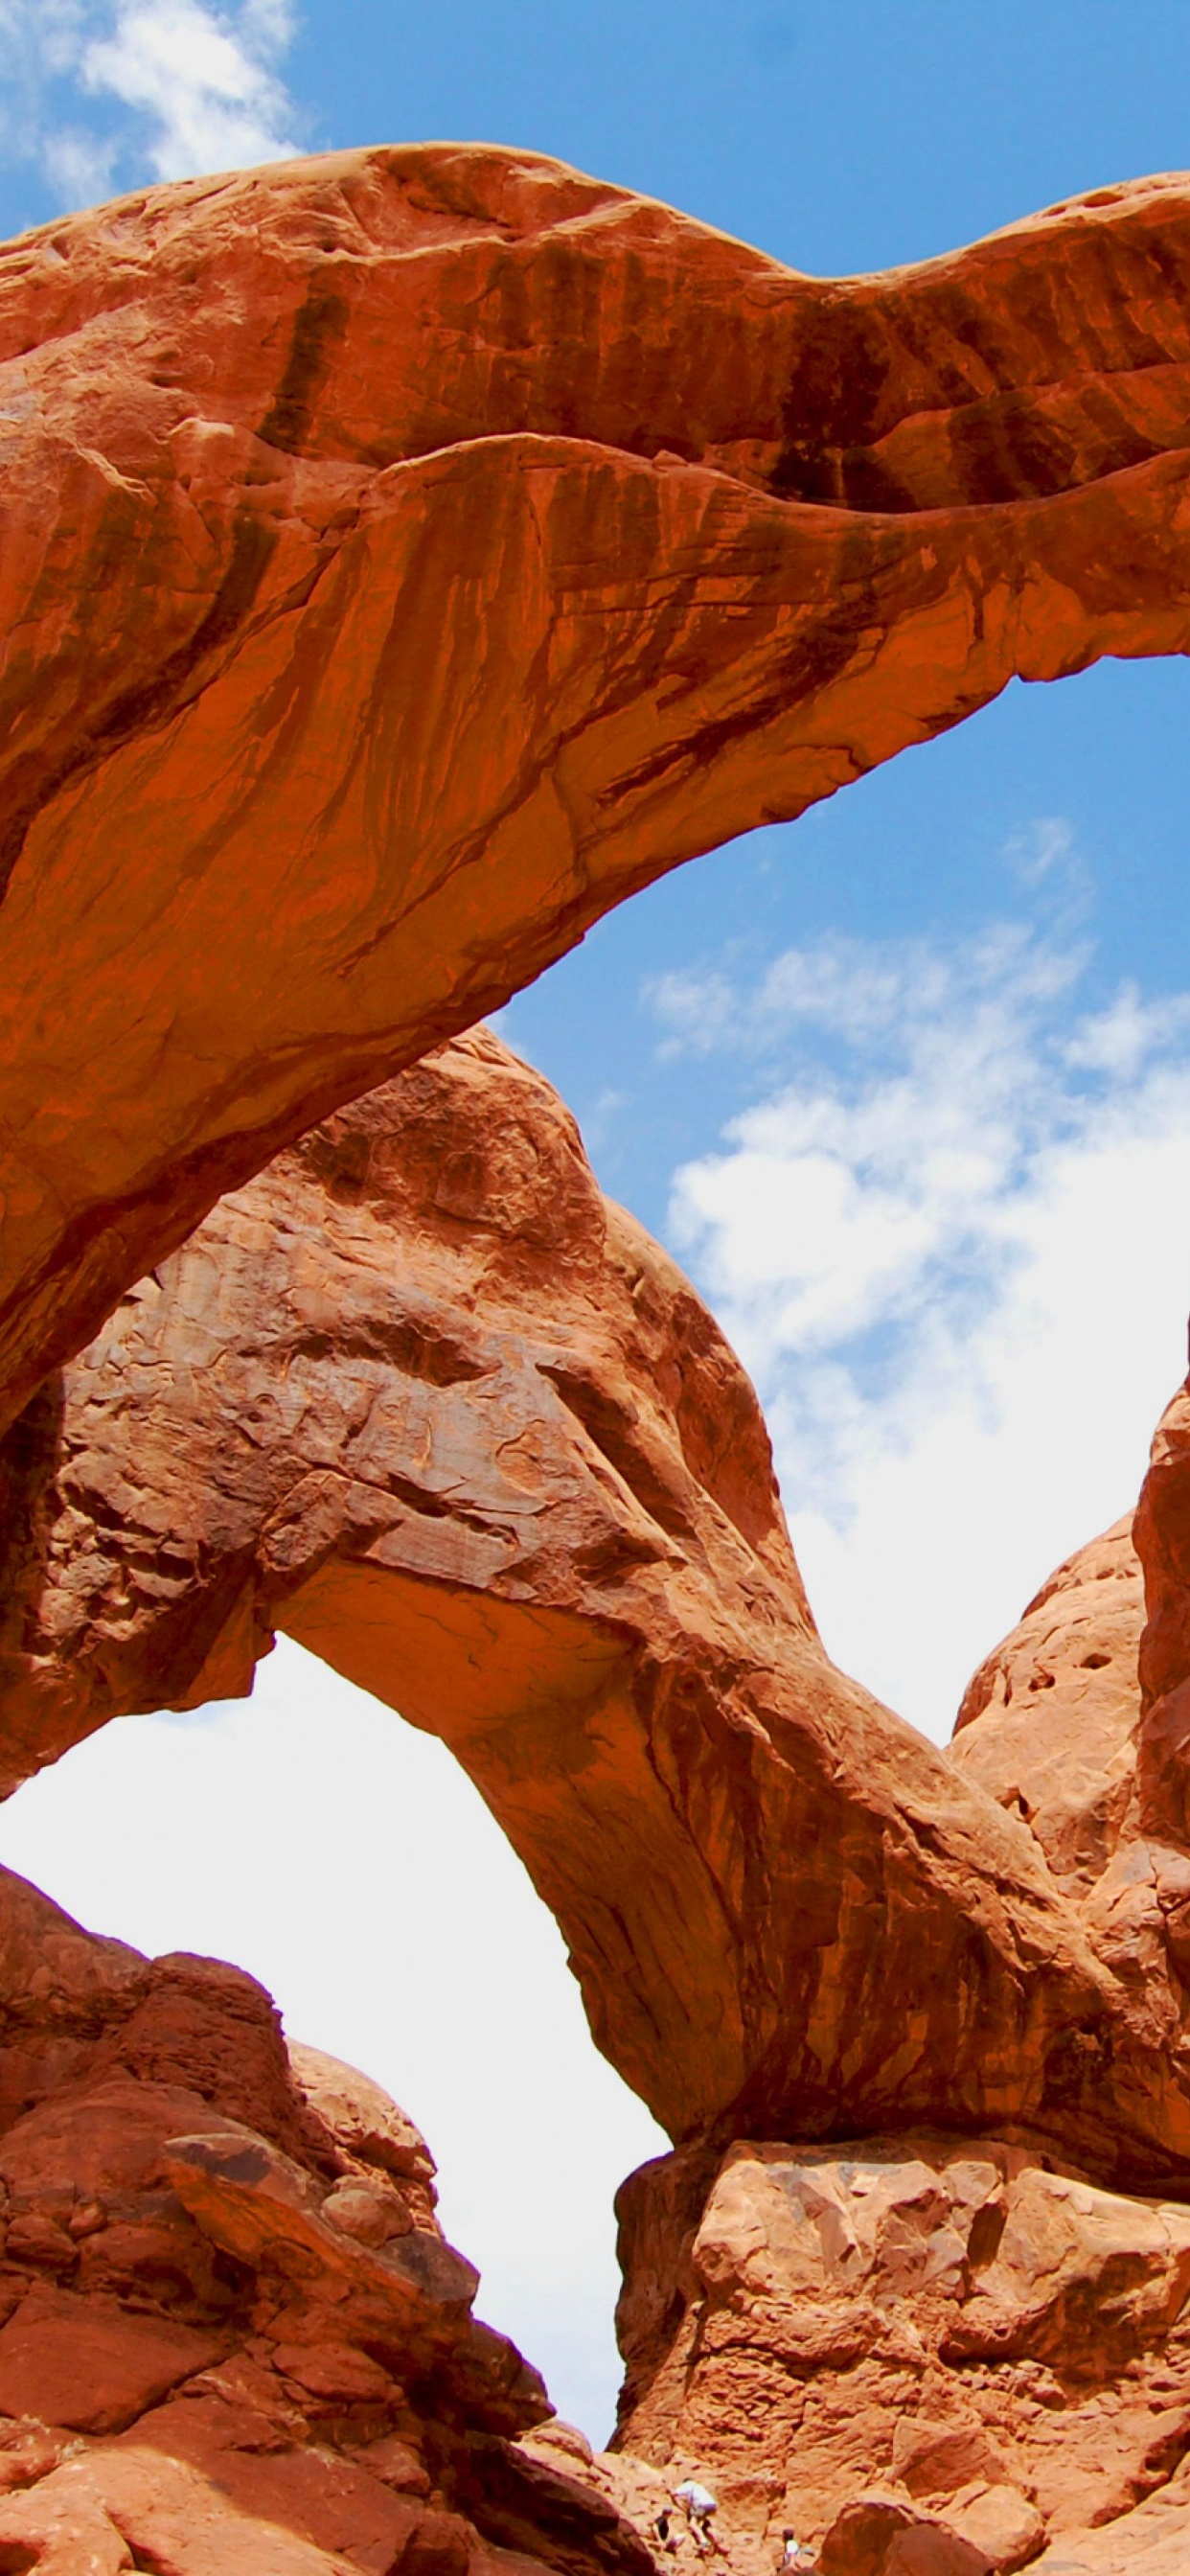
x=1162 y=1539
x=934 y=2356
x=423 y=1398
x=441 y=545
x=1078 y=1722
x=409 y=553
x=944 y=2358
x=232 y=2339
x=998 y=2348
x=1048 y=1724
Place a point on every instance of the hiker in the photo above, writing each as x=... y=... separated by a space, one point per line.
x=796 y=2560
x=700 y=2504
x=666 y=2539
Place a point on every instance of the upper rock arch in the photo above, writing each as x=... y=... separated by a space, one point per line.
x=409 y=554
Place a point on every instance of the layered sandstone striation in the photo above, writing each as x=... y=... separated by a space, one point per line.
x=408 y=554
x=726 y=537
x=426 y=1400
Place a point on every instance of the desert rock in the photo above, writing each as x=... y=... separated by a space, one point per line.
x=877 y=2536
x=1154 y=2540
x=1078 y=1723
x=424 y=1399
x=1049 y=1722
x=999 y=2347
x=1163 y=1539
x=444 y=544
x=201 y=2366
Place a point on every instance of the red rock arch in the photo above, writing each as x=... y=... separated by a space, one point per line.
x=420 y=1396
x=408 y=554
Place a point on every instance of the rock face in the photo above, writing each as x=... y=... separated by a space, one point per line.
x=231 y=2334
x=1163 y=1536
x=442 y=545
x=423 y=1398
x=1001 y=2349
x=1049 y=1722
x=947 y=2357
x=1078 y=1723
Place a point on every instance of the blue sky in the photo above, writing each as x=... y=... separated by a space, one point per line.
x=907 y=1085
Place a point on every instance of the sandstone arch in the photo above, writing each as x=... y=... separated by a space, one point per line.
x=409 y=554
x=420 y=1396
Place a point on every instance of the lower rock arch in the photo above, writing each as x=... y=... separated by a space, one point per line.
x=424 y=1399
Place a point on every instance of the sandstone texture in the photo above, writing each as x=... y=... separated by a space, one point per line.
x=408 y=554
x=937 y=2358
x=1077 y=1722
x=233 y=2341
x=423 y=1398
x=1048 y=1724
x=999 y=2350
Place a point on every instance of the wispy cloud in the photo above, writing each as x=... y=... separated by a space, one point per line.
x=1046 y=855
x=102 y=93
x=953 y=1242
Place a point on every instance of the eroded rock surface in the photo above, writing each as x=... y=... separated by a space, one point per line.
x=443 y=545
x=1049 y=1722
x=423 y=1398
x=1078 y=1722
x=1001 y=2349
x=1163 y=1537
x=232 y=2337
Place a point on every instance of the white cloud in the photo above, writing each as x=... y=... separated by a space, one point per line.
x=203 y=81
x=79 y=166
x=101 y=92
x=1047 y=850
x=698 y=1010
x=953 y=1243
x=1118 y=1040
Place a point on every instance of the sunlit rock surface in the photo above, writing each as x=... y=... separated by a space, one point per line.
x=421 y=1396
x=232 y=2336
x=1049 y=1722
x=998 y=2347
x=407 y=554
